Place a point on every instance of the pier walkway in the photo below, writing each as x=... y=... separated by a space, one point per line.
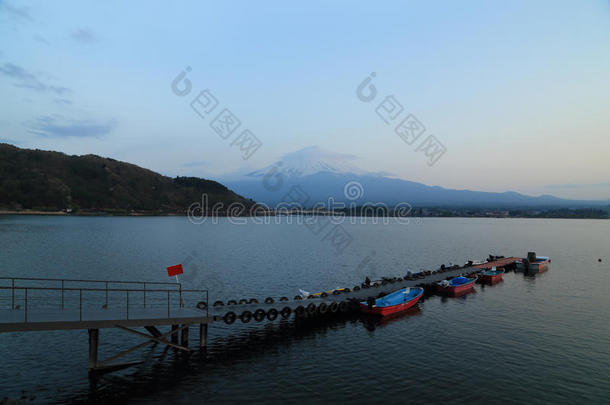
x=43 y=304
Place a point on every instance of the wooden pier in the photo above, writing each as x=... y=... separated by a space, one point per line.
x=43 y=304
x=39 y=304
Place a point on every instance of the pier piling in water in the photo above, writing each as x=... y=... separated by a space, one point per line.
x=94 y=337
x=184 y=338
x=203 y=335
x=175 y=334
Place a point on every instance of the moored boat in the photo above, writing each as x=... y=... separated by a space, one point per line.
x=471 y=263
x=397 y=301
x=492 y=275
x=336 y=291
x=533 y=263
x=456 y=285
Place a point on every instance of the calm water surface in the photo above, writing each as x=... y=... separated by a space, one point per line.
x=543 y=339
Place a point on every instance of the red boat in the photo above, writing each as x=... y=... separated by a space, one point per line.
x=397 y=301
x=491 y=276
x=456 y=285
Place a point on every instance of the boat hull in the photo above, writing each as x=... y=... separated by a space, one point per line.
x=535 y=267
x=384 y=311
x=491 y=279
x=456 y=289
x=398 y=301
x=538 y=267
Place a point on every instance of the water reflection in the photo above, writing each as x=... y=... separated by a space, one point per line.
x=163 y=365
x=372 y=322
x=460 y=295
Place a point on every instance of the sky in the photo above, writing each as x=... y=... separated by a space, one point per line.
x=516 y=94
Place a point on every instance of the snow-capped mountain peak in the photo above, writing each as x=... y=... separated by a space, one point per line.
x=311 y=160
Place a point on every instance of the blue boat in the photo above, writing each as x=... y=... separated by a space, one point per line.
x=399 y=300
x=456 y=285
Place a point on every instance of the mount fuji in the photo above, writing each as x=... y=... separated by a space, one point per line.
x=322 y=174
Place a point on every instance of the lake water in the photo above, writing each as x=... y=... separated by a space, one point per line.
x=543 y=339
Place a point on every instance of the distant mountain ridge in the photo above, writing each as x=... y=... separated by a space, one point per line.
x=47 y=181
x=323 y=174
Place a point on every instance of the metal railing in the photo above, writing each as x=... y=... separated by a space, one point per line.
x=107 y=290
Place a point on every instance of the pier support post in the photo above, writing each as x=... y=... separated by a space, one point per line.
x=94 y=337
x=184 y=341
x=203 y=335
x=174 y=334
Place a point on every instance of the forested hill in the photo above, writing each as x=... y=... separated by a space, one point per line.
x=51 y=181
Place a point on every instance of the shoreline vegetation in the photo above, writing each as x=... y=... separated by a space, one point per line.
x=434 y=212
x=43 y=181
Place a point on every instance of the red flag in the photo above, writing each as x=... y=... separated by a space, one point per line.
x=174 y=270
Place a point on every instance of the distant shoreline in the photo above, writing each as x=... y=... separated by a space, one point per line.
x=5 y=212
x=89 y=214
x=177 y=214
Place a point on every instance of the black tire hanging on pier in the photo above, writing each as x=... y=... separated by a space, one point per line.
x=336 y=292
x=365 y=286
x=243 y=301
x=300 y=310
x=346 y=290
x=284 y=299
x=357 y=288
x=343 y=306
x=269 y=300
x=297 y=297
x=259 y=315
x=229 y=317
x=272 y=314
x=375 y=284
x=399 y=279
x=231 y=302
x=285 y=312
x=202 y=305
x=219 y=304
x=311 y=309
x=253 y=301
x=322 y=308
x=324 y=295
x=333 y=307
x=245 y=316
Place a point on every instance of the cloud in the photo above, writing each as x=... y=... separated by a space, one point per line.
x=83 y=35
x=57 y=126
x=28 y=80
x=17 y=13
x=39 y=38
x=62 y=101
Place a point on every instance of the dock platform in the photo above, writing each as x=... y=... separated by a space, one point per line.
x=44 y=304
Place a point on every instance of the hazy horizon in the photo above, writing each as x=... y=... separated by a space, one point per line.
x=517 y=93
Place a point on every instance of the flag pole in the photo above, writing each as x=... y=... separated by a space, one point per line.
x=175 y=271
x=180 y=289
